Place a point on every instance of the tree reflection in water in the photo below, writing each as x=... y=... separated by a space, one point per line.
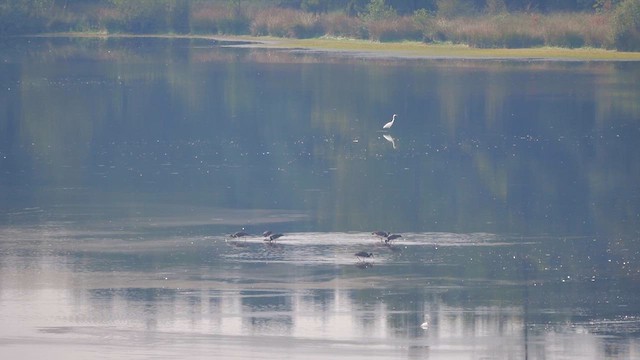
x=124 y=161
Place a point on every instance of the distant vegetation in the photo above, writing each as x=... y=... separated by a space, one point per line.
x=609 y=24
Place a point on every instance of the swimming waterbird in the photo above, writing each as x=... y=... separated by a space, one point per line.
x=363 y=254
x=392 y=237
x=273 y=237
x=239 y=234
x=383 y=234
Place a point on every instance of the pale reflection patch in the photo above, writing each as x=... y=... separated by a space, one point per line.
x=65 y=288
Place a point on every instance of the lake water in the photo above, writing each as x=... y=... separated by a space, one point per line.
x=126 y=163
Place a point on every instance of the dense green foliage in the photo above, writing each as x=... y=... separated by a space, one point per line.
x=627 y=26
x=149 y=16
x=452 y=7
x=479 y=23
x=18 y=16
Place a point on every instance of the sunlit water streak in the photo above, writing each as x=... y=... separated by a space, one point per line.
x=303 y=291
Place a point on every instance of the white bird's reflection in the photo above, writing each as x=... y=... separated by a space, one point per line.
x=390 y=139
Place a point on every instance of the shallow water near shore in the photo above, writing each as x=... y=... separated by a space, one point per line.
x=128 y=163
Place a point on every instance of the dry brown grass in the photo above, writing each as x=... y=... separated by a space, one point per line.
x=528 y=30
x=340 y=25
x=578 y=30
x=220 y=19
x=394 y=29
x=286 y=23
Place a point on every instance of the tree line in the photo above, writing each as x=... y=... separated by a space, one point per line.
x=463 y=7
x=486 y=23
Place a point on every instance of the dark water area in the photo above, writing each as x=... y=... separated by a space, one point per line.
x=126 y=163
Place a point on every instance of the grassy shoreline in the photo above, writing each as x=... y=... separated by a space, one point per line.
x=404 y=49
x=452 y=51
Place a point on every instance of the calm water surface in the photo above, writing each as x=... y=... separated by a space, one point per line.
x=126 y=163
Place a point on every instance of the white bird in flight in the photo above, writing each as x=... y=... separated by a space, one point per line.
x=390 y=123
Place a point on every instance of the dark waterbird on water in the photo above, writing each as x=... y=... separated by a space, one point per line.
x=267 y=233
x=363 y=254
x=273 y=237
x=239 y=234
x=391 y=237
x=236 y=235
x=383 y=234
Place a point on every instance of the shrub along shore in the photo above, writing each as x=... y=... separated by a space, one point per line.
x=617 y=28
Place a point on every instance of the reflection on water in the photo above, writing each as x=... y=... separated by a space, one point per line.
x=126 y=164
x=390 y=139
x=437 y=295
x=513 y=147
